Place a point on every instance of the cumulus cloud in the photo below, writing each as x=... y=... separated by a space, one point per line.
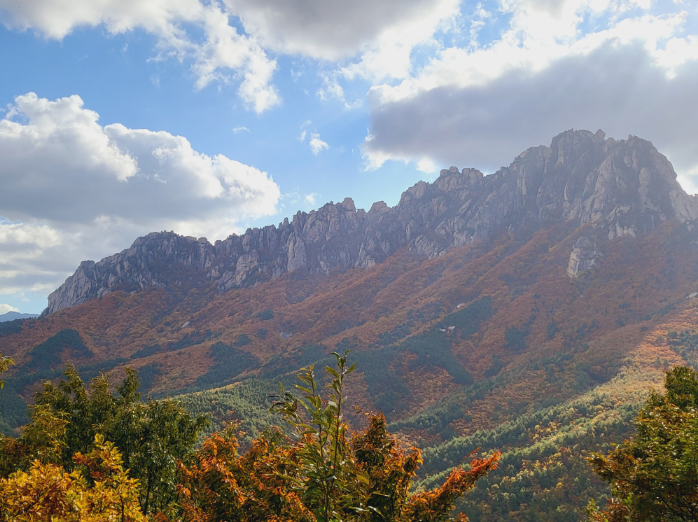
x=78 y=190
x=62 y=165
x=224 y=55
x=336 y=30
x=533 y=50
x=481 y=104
x=377 y=38
x=614 y=88
x=226 y=50
x=33 y=258
x=316 y=144
x=4 y=308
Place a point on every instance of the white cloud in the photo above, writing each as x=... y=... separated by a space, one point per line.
x=616 y=88
x=304 y=132
x=62 y=165
x=688 y=178
x=533 y=50
x=316 y=144
x=238 y=130
x=330 y=87
x=385 y=53
x=226 y=50
x=15 y=236
x=426 y=165
x=311 y=198
x=4 y=308
x=389 y=55
x=332 y=31
x=73 y=189
x=33 y=258
x=225 y=55
x=481 y=104
x=56 y=18
x=376 y=37
x=54 y=124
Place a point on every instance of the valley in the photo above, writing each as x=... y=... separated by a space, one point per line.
x=529 y=311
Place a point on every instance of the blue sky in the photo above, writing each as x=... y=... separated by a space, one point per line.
x=128 y=116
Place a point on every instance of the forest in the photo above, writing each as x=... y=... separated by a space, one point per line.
x=98 y=452
x=490 y=348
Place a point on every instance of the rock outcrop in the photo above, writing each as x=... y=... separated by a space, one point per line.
x=625 y=188
x=584 y=256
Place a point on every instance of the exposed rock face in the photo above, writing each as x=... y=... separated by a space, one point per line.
x=584 y=256
x=624 y=187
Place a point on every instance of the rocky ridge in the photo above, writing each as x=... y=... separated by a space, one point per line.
x=621 y=187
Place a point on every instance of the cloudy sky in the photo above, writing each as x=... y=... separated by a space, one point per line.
x=122 y=117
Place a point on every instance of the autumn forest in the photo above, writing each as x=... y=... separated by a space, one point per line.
x=541 y=370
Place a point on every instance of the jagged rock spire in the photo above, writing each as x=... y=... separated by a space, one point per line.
x=625 y=187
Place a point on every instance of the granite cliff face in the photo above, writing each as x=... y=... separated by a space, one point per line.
x=623 y=188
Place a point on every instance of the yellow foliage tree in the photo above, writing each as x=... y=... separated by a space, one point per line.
x=48 y=493
x=4 y=364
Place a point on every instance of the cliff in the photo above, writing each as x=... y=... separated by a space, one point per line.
x=622 y=188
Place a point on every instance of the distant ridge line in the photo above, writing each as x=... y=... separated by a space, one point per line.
x=622 y=187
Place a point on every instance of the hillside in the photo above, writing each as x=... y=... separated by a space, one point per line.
x=529 y=310
x=12 y=316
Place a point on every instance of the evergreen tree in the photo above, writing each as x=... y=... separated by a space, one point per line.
x=654 y=476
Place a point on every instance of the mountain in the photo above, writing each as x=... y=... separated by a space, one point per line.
x=625 y=187
x=530 y=310
x=12 y=316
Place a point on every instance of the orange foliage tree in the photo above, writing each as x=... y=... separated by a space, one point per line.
x=322 y=473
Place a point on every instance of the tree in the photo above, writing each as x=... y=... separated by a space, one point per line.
x=4 y=365
x=654 y=476
x=48 y=492
x=321 y=474
x=151 y=436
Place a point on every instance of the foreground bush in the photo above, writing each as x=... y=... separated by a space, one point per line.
x=150 y=436
x=48 y=492
x=321 y=474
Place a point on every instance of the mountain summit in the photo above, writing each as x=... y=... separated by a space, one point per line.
x=624 y=188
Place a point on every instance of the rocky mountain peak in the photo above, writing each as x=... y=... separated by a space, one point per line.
x=622 y=187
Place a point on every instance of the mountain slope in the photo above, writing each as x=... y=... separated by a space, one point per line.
x=521 y=310
x=626 y=187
